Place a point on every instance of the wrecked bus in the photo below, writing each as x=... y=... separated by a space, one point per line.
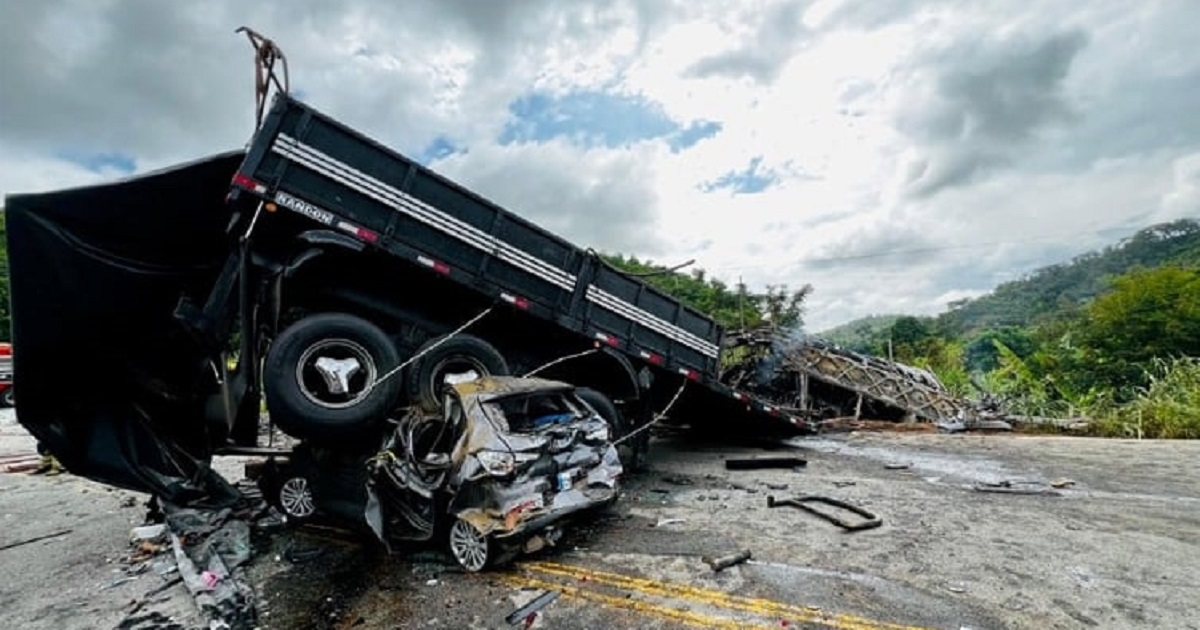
x=335 y=284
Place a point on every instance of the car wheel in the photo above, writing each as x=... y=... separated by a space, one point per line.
x=460 y=354
x=7 y=399
x=470 y=547
x=321 y=377
x=296 y=499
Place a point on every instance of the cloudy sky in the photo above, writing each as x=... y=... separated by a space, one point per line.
x=896 y=155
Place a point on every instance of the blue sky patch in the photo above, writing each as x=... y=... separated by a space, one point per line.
x=747 y=181
x=441 y=147
x=688 y=136
x=102 y=162
x=594 y=118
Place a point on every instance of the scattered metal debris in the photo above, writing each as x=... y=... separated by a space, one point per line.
x=724 y=562
x=667 y=521
x=149 y=533
x=896 y=466
x=759 y=463
x=803 y=502
x=522 y=614
x=1062 y=483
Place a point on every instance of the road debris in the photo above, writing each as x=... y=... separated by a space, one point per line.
x=802 y=502
x=897 y=466
x=667 y=521
x=1062 y=483
x=759 y=463
x=527 y=613
x=1013 y=487
x=724 y=562
x=149 y=533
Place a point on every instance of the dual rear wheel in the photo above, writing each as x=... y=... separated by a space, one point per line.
x=331 y=376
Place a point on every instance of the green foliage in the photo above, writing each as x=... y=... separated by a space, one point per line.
x=982 y=355
x=946 y=360
x=733 y=308
x=1148 y=314
x=1167 y=407
x=867 y=335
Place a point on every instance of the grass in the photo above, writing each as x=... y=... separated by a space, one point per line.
x=1168 y=407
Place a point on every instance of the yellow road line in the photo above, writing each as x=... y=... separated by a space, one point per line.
x=646 y=608
x=720 y=599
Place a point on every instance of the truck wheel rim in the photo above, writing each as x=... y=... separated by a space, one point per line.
x=439 y=375
x=314 y=382
x=469 y=546
x=296 y=498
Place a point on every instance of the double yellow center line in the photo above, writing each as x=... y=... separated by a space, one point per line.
x=681 y=603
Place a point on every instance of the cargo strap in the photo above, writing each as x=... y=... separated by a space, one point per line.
x=266 y=53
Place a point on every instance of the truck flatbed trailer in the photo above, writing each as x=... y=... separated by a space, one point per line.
x=198 y=283
x=310 y=164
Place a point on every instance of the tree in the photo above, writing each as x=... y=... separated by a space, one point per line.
x=784 y=309
x=735 y=308
x=1148 y=314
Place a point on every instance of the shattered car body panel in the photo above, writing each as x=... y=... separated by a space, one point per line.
x=511 y=456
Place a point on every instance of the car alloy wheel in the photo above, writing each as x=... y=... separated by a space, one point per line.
x=469 y=546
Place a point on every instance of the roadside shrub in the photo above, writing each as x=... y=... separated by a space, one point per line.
x=1168 y=407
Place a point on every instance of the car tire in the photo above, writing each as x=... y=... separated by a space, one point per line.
x=460 y=352
x=321 y=377
x=7 y=399
x=469 y=547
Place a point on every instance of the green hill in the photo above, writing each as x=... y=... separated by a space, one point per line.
x=861 y=333
x=1066 y=286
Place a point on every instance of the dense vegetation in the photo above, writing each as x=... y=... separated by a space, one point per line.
x=735 y=308
x=1113 y=335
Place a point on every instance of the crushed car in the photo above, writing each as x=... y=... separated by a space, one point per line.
x=499 y=470
x=505 y=465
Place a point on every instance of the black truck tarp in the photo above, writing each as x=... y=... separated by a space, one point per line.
x=108 y=379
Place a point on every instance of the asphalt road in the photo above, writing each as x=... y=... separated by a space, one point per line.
x=1117 y=546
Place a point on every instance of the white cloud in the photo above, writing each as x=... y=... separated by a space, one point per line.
x=924 y=150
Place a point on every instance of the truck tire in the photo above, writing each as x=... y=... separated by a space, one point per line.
x=632 y=452
x=458 y=354
x=321 y=377
x=605 y=407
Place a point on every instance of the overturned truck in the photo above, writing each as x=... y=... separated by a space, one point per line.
x=338 y=284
